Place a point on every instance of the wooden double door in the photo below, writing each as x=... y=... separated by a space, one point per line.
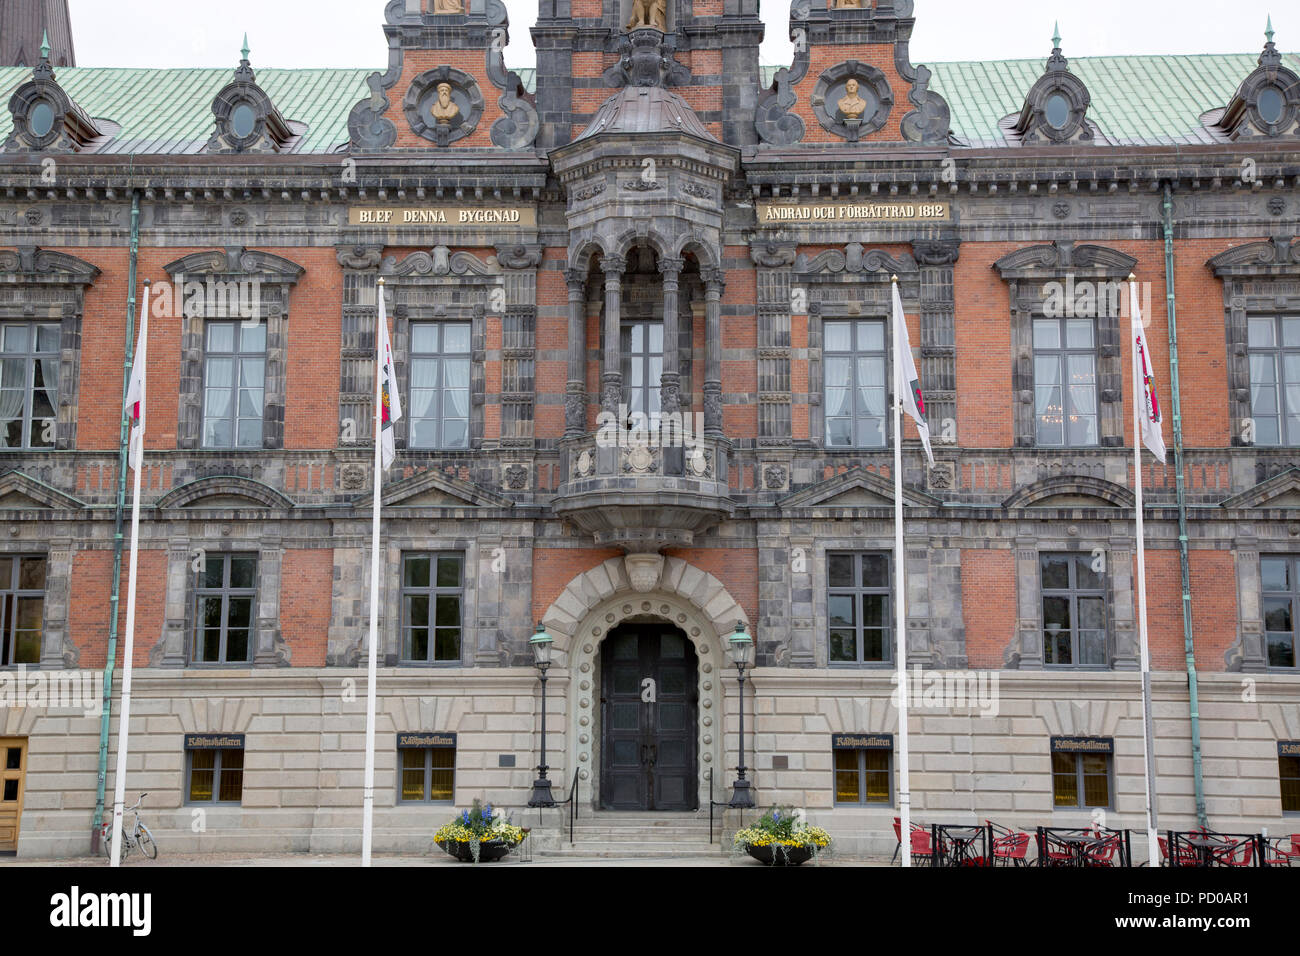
x=649 y=706
x=13 y=767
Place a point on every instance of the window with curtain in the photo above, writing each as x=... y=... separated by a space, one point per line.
x=1074 y=610
x=1288 y=769
x=439 y=392
x=856 y=384
x=214 y=776
x=428 y=774
x=1065 y=383
x=234 y=387
x=643 y=367
x=29 y=384
x=22 y=595
x=1274 y=348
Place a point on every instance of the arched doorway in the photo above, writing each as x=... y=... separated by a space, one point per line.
x=649 y=704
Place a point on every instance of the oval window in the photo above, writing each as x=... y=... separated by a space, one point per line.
x=41 y=119
x=1057 y=110
x=242 y=120
x=1271 y=104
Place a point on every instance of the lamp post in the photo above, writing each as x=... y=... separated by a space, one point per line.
x=739 y=646
x=541 y=645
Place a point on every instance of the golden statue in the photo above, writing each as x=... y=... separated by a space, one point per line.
x=448 y=6
x=851 y=105
x=846 y=4
x=445 y=110
x=649 y=13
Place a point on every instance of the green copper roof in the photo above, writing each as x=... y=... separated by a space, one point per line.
x=1136 y=100
x=170 y=111
x=1139 y=100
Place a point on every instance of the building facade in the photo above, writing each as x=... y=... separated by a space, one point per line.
x=639 y=303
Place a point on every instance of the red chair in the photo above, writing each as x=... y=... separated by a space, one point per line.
x=898 y=835
x=1011 y=849
x=1237 y=854
x=1103 y=853
x=1186 y=855
x=1274 y=855
x=922 y=846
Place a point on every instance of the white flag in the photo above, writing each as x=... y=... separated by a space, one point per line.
x=1149 y=410
x=390 y=401
x=909 y=383
x=135 y=393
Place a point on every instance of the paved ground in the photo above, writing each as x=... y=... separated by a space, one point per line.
x=389 y=860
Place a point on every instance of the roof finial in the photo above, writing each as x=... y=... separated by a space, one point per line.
x=245 y=51
x=1056 y=35
x=1268 y=30
x=45 y=45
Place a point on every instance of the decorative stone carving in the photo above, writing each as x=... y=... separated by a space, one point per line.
x=518 y=126
x=443 y=105
x=1056 y=108
x=246 y=119
x=776 y=478
x=353 y=477
x=643 y=571
x=445 y=7
x=651 y=14
x=773 y=121
x=869 y=103
x=516 y=477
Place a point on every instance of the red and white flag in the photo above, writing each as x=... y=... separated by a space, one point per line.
x=135 y=393
x=1149 y=418
x=390 y=402
x=909 y=382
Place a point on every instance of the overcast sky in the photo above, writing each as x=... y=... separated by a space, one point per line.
x=307 y=33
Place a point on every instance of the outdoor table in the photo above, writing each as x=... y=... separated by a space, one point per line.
x=1079 y=844
x=954 y=845
x=1205 y=846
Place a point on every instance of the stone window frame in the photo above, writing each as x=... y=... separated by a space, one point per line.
x=30 y=356
x=861 y=771
x=197 y=592
x=276 y=276
x=426 y=798
x=1081 y=807
x=1260 y=279
x=433 y=591
x=56 y=282
x=216 y=778
x=865 y=276
x=858 y=591
x=457 y=538
x=1027 y=651
x=1028 y=271
x=453 y=272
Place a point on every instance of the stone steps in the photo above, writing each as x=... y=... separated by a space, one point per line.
x=608 y=834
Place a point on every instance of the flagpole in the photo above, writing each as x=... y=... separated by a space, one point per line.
x=1148 y=747
x=368 y=792
x=135 y=457
x=900 y=613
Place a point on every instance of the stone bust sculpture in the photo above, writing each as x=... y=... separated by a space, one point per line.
x=445 y=109
x=448 y=6
x=851 y=106
x=846 y=4
x=652 y=14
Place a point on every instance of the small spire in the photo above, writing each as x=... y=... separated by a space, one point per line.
x=45 y=45
x=245 y=51
x=1056 y=35
x=1268 y=30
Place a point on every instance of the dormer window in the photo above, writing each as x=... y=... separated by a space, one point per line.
x=1056 y=108
x=1267 y=104
x=1057 y=111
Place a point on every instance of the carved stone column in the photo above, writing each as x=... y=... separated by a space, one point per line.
x=611 y=381
x=713 y=286
x=575 y=389
x=670 y=380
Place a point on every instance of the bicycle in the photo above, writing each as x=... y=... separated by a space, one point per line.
x=135 y=838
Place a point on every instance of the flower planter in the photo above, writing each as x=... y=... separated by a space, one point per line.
x=489 y=851
x=776 y=855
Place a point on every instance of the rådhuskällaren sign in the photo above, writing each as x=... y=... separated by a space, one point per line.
x=862 y=741
x=774 y=211
x=425 y=739
x=1083 y=745
x=214 y=741
x=451 y=216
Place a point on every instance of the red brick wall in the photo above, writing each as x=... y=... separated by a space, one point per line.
x=91 y=589
x=306 y=587
x=554 y=568
x=988 y=604
x=821 y=58
x=736 y=568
